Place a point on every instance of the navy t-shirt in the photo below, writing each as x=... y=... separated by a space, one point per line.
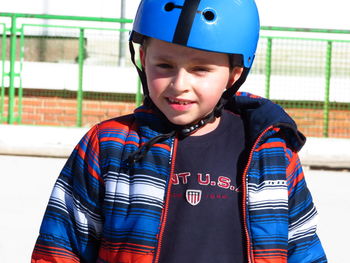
x=204 y=222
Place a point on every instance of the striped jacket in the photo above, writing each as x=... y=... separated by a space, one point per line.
x=104 y=210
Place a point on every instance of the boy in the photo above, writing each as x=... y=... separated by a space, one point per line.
x=198 y=173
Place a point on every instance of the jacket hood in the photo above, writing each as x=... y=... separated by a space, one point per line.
x=258 y=114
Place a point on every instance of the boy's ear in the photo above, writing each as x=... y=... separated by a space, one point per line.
x=234 y=75
x=142 y=56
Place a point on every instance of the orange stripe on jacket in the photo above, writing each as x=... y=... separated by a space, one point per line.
x=294 y=165
x=270 y=145
x=53 y=255
x=123 y=256
x=271 y=260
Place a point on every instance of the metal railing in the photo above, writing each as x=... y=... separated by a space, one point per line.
x=14 y=31
x=3 y=57
x=327 y=63
x=298 y=68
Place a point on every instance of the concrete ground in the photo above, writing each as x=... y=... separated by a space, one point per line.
x=26 y=184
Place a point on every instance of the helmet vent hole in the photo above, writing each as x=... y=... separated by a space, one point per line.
x=209 y=15
x=169 y=7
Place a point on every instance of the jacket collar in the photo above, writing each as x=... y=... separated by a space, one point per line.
x=257 y=113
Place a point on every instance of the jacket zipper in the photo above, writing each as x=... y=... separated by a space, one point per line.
x=166 y=208
x=244 y=199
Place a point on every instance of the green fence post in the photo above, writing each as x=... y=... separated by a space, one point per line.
x=268 y=68
x=121 y=59
x=328 y=72
x=138 y=98
x=81 y=57
x=11 y=95
x=3 y=58
x=20 y=89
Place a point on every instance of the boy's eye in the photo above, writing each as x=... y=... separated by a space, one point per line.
x=164 y=65
x=201 y=69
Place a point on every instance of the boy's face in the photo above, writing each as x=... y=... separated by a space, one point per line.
x=185 y=83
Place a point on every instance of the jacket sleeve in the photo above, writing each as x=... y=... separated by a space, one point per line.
x=304 y=245
x=72 y=224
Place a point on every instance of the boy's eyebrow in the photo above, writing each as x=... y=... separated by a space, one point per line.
x=162 y=57
x=195 y=60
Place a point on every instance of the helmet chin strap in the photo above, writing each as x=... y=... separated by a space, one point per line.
x=140 y=72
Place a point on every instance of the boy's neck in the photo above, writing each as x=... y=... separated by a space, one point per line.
x=209 y=127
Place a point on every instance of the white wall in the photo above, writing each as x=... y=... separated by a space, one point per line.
x=101 y=8
x=305 y=13
x=294 y=13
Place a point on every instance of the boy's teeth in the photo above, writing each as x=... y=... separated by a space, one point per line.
x=179 y=102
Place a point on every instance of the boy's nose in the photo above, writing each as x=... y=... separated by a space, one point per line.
x=180 y=81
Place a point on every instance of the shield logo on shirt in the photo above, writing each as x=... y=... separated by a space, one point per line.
x=193 y=197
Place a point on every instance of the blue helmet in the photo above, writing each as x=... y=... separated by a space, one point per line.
x=225 y=26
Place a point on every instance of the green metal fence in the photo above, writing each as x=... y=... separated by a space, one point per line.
x=3 y=57
x=307 y=71
x=17 y=49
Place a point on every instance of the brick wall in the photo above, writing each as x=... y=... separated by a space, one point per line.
x=58 y=111
x=55 y=111
x=63 y=112
x=310 y=122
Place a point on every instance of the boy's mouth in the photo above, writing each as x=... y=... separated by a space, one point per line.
x=177 y=101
